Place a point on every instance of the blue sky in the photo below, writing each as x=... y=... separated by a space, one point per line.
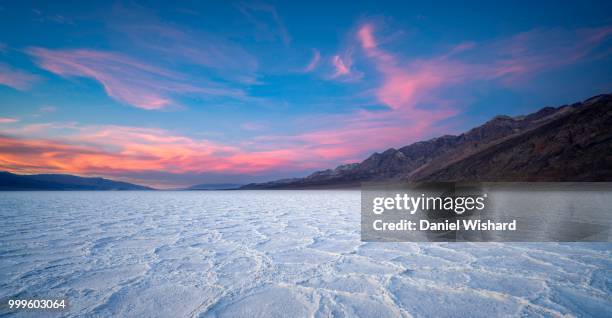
x=176 y=93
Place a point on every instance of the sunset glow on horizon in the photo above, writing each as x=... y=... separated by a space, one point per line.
x=252 y=91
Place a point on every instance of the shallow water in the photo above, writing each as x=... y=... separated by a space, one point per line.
x=273 y=254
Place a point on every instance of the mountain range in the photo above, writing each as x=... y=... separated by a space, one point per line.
x=11 y=181
x=565 y=143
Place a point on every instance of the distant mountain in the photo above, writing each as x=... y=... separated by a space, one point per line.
x=215 y=186
x=11 y=181
x=566 y=143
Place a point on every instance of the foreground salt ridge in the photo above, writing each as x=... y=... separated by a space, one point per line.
x=267 y=254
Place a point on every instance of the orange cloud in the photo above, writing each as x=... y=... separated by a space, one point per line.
x=119 y=150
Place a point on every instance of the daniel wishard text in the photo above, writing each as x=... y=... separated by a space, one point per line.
x=456 y=206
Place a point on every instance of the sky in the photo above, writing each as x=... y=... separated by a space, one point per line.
x=171 y=94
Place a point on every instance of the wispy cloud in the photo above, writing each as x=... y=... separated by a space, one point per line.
x=343 y=68
x=8 y=120
x=540 y=50
x=173 y=44
x=179 y=63
x=125 y=79
x=267 y=22
x=410 y=87
x=47 y=109
x=340 y=66
x=314 y=61
x=42 y=17
x=254 y=126
x=405 y=83
x=16 y=79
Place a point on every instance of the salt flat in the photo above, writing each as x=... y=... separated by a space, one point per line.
x=273 y=254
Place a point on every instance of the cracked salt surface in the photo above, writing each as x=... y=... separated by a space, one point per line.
x=273 y=254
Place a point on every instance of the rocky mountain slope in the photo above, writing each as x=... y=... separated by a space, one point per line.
x=566 y=143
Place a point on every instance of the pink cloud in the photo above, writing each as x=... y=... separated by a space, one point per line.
x=540 y=50
x=404 y=84
x=121 y=150
x=125 y=79
x=366 y=36
x=254 y=126
x=409 y=87
x=16 y=79
x=340 y=66
x=111 y=151
x=314 y=61
x=8 y=120
x=461 y=47
x=357 y=135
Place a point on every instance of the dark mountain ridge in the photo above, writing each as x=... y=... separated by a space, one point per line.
x=11 y=181
x=566 y=143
